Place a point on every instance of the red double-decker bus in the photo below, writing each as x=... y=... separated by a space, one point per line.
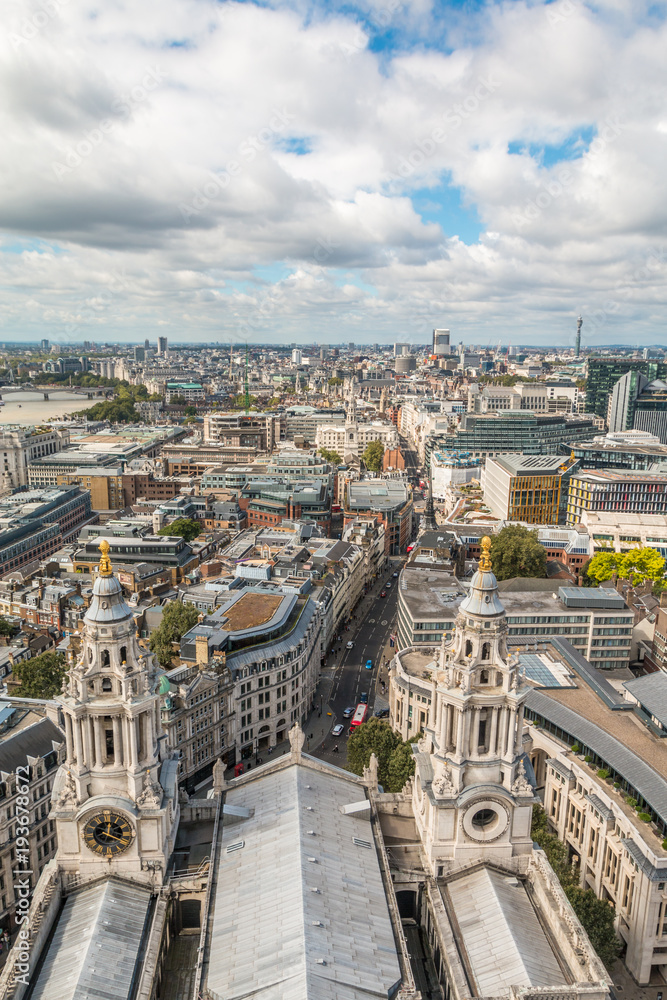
x=359 y=716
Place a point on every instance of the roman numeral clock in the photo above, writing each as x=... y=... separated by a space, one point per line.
x=107 y=834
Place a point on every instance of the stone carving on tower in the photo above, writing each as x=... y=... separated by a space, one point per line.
x=351 y=449
x=115 y=799
x=471 y=795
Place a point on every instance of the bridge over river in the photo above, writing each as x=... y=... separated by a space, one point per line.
x=87 y=391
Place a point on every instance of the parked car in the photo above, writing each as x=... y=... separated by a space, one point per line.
x=348 y=713
x=369 y=664
x=363 y=698
x=338 y=730
x=383 y=593
x=349 y=645
x=382 y=713
x=388 y=585
x=394 y=574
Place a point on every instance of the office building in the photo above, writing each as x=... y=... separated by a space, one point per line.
x=441 y=345
x=515 y=431
x=45 y=345
x=269 y=641
x=604 y=373
x=633 y=450
x=404 y=365
x=296 y=357
x=130 y=542
x=389 y=501
x=162 y=348
x=245 y=433
x=617 y=492
x=21 y=446
x=139 y=354
x=530 y=488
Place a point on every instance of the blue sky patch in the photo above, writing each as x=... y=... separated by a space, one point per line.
x=21 y=246
x=548 y=155
x=444 y=204
x=298 y=145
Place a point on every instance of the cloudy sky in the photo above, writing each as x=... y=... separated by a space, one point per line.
x=305 y=171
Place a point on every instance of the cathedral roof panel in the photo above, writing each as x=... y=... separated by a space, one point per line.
x=501 y=933
x=300 y=907
x=95 y=945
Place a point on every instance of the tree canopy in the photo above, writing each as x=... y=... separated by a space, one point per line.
x=40 y=677
x=637 y=566
x=120 y=410
x=515 y=551
x=5 y=627
x=177 y=618
x=596 y=915
x=331 y=456
x=395 y=760
x=184 y=527
x=373 y=455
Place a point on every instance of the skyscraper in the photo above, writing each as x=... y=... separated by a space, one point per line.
x=45 y=345
x=441 y=343
x=162 y=348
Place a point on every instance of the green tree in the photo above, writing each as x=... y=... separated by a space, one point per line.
x=515 y=551
x=177 y=619
x=639 y=565
x=177 y=400
x=331 y=456
x=5 y=627
x=185 y=527
x=190 y=411
x=602 y=567
x=596 y=915
x=40 y=677
x=373 y=455
x=401 y=767
x=395 y=760
x=335 y=381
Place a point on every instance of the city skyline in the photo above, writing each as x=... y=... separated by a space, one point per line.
x=381 y=165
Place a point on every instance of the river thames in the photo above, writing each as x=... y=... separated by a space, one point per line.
x=32 y=408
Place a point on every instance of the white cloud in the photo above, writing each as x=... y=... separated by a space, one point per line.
x=166 y=150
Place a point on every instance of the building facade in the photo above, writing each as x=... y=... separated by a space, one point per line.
x=529 y=488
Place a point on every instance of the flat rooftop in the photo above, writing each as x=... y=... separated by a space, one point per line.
x=252 y=610
x=430 y=594
x=516 y=464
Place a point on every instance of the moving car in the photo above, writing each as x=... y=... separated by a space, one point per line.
x=348 y=713
x=363 y=698
x=383 y=593
x=394 y=574
x=337 y=730
x=369 y=664
x=350 y=645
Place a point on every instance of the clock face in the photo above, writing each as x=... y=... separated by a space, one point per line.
x=108 y=833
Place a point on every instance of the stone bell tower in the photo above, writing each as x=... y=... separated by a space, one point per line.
x=115 y=799
x=471 y=795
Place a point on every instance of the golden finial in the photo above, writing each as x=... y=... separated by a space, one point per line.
x=485 y=558
x=105 y=562
x=572 y=458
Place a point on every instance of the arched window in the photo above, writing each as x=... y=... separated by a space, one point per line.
x=106 y=684
x=106 y=661
x=484 y=677
x=468 y=647
x=90 y=655
x=486 y=651
x=123 y=654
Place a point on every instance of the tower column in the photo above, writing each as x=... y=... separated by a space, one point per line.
x=493 y=741
x=99 y=750
x=519 y=730
x=78 y=742
x=132 y=734
x=69 y=740
x=511 y=734
x=460 y=732
x=467 y=723
x=117 y=741
x=476 y=723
